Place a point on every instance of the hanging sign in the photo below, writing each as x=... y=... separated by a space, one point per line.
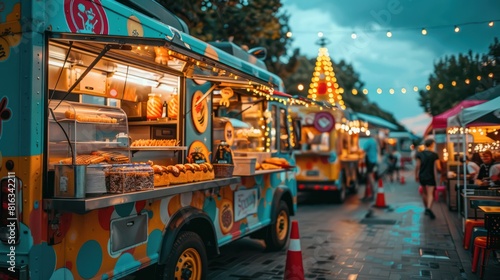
x=324 y=122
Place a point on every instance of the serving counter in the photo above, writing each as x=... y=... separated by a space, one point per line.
x=83 y=205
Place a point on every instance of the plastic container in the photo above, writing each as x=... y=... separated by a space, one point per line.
x=244 y=166
x=70 y=181
x=123 y=178
x=95 y=182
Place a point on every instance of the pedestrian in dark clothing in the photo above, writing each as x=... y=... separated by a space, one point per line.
x=426 y=172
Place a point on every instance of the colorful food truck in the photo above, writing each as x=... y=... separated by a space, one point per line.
x=115 y=142
x=328 y=154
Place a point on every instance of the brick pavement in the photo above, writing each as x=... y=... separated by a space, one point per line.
x=362 y=242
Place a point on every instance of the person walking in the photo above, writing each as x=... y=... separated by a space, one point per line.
x=371 y=149
x=426 y=171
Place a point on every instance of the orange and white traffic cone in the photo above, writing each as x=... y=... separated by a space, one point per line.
x=294 y=269
x=380 y=202
x=403 y=180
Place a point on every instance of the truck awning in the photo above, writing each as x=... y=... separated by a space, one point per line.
x=113 y=22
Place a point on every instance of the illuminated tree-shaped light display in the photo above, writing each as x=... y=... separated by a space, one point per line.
x=324 y=85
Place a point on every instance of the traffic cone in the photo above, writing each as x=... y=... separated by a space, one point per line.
x=403 y=180
x=380 y=202
x=294 y=269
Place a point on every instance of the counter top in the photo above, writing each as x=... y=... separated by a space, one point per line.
x=490 y=209
x=269 y=171
x=83 y=205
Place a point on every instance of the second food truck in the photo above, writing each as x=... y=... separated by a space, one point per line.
x=119 y=135
x=328 y=154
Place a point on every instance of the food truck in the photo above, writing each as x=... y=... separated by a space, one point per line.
x=328 y=154
x=118 y=143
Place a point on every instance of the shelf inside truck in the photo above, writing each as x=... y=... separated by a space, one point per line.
x=83 y=205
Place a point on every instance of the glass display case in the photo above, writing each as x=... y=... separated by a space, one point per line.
x=87 y=134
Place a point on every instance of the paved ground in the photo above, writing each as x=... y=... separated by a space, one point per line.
x=358 y=241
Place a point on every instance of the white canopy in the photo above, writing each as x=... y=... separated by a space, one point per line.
x=487 y=113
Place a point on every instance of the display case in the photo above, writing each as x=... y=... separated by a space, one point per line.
x=86 y=134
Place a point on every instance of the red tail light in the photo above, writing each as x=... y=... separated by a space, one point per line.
x=10 y=214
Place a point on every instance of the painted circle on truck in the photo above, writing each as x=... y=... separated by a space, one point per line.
x=324 y=122
x=88 y=267
x=84 y=16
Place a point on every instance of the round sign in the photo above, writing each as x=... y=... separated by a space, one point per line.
x=324 y=122
x=84 y=16
x=198 y=152
x=199 y=112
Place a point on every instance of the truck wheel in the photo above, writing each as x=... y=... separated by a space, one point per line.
x=277 y=233
x=188 y=258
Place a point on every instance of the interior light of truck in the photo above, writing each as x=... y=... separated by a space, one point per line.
x=133 y=79
x=59 y=63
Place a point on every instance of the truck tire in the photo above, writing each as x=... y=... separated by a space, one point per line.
x=187 y=260
x=278 y=233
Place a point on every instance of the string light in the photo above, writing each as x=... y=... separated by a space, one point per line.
x=423 y=30
x=440 y=86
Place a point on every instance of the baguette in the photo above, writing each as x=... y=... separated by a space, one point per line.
x=269 y=166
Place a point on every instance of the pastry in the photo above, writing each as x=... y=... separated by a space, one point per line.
x=277 y=161
x=84 y=159
x=173 y=175
x=269 y=166
x=182 y=171
x=190 y=172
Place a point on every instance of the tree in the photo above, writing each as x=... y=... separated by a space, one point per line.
x=253 y=23
x=457 y=77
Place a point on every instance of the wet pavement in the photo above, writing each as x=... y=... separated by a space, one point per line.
x=358 y=241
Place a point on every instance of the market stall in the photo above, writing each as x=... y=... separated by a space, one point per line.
x=478 y=127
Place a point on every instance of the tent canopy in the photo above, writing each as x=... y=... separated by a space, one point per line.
x=487 y=113
x=377 y=122
x=488 y=94
x=440 y=121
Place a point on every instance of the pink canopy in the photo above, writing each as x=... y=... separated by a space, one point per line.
x=440 y=121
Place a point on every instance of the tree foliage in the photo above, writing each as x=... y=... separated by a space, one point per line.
x=253 y=23
x=456 y=77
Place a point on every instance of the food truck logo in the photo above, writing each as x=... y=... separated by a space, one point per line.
x=5 y=113
x=84 y=16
